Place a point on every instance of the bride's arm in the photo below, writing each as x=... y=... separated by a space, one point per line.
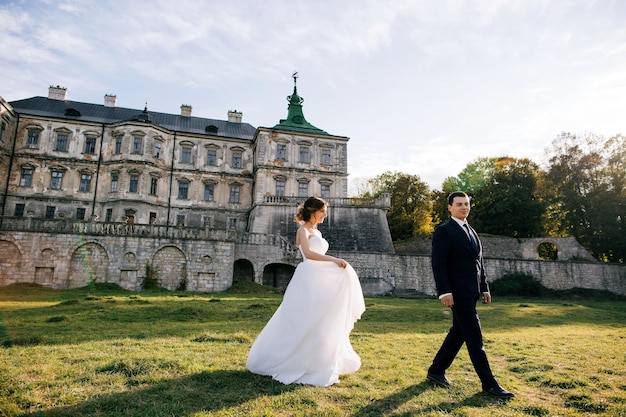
x=303 y=237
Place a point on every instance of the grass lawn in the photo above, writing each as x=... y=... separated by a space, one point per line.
x=101 y=351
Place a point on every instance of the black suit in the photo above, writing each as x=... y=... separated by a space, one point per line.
x=459 y=269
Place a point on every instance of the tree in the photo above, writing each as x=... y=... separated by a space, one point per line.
x=473 y=177
x=410 y=213
x=585 y=187
x=508 y=203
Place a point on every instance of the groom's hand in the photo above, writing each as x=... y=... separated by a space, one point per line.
x=448 y=300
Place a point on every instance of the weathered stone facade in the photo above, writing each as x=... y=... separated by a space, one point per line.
x=92 y=193
x=76 y=254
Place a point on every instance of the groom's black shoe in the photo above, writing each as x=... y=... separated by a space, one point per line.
x=440 y=380
x=499 y=392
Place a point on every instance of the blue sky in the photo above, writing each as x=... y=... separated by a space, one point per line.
x=420 y=86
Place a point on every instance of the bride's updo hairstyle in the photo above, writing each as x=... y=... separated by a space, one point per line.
x=310 y=206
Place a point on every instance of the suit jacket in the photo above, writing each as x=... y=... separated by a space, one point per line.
x=458 y=267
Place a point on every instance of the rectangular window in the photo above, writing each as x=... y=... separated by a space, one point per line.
x=209 y=192
x=61 y=144
x=27 y=177
x=180 y=220
x=55 y=180
x=207 y=221
x=303 y=189
x=280 y=188
x=157 y=150
x=90 y=146
x=325 y=192
x=137 y=145
x=153 y=217
x=185 y=155
x=118 y=145
x=3 y=129
x=80 y=213
x=33 y=139
x=183 y=190
x=85 y=183
x=109 y=215
x=325 y=157
x=134 y=183
x=153 y=186
x=211 y=157
x=305 y=154
x=232 y=222
x=235 y=190
x=50 y=210
x=237 y=158
x=19 y=210
x=281 y=152
x=114 y=182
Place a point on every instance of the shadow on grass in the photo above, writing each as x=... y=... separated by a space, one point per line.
x=202 y=392
x=389 y=404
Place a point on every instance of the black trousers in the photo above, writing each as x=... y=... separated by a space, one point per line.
x=465 y=329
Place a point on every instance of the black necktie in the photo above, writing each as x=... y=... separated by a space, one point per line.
x=471 y=236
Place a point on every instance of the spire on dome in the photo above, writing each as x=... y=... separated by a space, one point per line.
x=295 y=118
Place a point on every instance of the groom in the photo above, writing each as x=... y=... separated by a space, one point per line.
x=457 y=263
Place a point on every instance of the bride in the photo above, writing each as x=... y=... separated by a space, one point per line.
x=307 y=339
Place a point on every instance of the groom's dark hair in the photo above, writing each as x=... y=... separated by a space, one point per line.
x=456 y=194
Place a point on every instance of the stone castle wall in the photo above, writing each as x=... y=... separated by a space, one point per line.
x=208 y=261
x=412 y=274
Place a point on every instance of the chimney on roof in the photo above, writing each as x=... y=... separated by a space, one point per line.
x=110 y=100
x=185 y=110
x=234 y=116
x=57 y=93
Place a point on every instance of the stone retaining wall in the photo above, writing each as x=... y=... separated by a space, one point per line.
x=208 y=263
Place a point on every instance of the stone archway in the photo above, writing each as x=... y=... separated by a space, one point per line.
x=10 y=258
x=548 y=251
x=89 y=263
x=278 y=275
x=171 y=266
x=243 y=271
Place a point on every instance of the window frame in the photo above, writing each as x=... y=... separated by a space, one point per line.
x=154 y=186
x=137 y=145
x=237 y=160
x=90 y=145
x=32 y=138
x=304 y=154
x=119 y=140
x=281 y=152
x=26 y=176
x=235 y=194
x=19 y=210
x=133 y=182
x=209 y=187
x=85 y=182
x=50 y=212
x=62 y=145
x=183 y=185
x=56 y=179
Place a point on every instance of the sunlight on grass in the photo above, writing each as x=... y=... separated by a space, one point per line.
x=114 y=353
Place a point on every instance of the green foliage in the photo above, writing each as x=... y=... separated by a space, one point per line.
x=151 y=278
x=410 y=213
x=508 y=204
x=585 y=187
x=472 y=178
x=519 y=285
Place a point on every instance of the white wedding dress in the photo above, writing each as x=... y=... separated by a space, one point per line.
x=307 y=340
